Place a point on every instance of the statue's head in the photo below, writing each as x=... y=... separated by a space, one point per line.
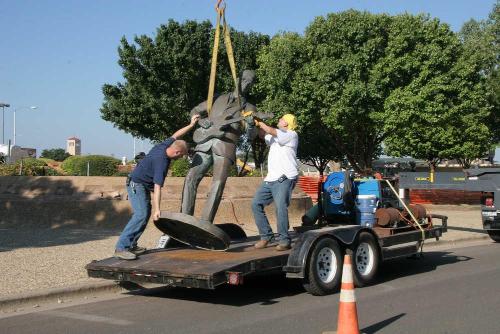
x=247 y=79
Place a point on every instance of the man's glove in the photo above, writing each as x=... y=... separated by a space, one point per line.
x=250 y=121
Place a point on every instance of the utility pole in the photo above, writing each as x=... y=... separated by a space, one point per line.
x=20 y=108
x=3 y=105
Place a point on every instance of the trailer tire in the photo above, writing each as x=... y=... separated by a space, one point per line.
x=494 y=235
x=324 y=268
x=366 y=259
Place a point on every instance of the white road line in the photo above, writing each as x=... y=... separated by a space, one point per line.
x=88 y=317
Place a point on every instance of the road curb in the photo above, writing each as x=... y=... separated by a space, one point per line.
x=443 y=242
x=57 y=295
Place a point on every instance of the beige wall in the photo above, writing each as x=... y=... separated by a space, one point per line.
x=57 y=201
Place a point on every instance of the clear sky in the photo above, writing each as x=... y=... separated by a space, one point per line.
x=57 y=54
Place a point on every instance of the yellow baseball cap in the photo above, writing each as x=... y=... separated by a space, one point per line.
x=291 y=120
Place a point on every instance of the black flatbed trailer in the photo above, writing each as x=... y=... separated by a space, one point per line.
x=483 y=180
x=316 y=257
x=191 y=267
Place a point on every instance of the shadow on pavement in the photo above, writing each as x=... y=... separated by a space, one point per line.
x=380 y=325
x=262 y=290
x=11 y=239
x=52 y=211
x=397 y=268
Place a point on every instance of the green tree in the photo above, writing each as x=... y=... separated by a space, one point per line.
x=57 y=154
x=278 y=65
x=96 y=165
x=246 y=47
x=327 y=80
x=317 y=145
x=360 y=79
x=30 y=166
x=482 y=43
x=166 y=76
x=440 y=111
x=341 y=79
x=180 y=167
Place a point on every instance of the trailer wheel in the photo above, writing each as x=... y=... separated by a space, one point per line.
x=494 y=235
x=324 y=268
x=366 y=259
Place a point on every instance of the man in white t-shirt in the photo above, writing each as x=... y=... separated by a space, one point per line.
x=279 y=182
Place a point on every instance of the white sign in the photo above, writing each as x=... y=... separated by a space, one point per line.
x=4 y=149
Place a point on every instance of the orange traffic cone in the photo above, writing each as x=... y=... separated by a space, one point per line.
x=348 y=314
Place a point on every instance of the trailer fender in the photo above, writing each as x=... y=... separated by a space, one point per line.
x=297 y=260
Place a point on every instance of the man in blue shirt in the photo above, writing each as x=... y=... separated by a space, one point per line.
x=149 y=176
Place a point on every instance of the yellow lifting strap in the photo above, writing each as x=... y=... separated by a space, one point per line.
x=230 y=54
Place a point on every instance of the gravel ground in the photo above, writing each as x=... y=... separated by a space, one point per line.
x=38 y=258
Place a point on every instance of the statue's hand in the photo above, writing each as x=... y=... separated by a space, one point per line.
x=199 y=111
x=205 y=123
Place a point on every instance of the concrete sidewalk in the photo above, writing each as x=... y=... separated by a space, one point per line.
x=42 y=263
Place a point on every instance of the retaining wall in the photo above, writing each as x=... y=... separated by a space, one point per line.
x=90 y=202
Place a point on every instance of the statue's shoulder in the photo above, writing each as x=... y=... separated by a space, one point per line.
x=224 y=96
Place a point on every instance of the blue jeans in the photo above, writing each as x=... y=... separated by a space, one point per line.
x=140 y=199
x=280 y=193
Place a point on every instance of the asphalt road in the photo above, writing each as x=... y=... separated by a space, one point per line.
x=450 y=290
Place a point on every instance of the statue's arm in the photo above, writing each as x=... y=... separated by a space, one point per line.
x=201 y=110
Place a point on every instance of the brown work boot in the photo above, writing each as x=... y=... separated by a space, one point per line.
x=261 y=244
x=283 y=247
x=138 y=250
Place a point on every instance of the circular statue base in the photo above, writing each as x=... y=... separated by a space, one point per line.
x=192 y=231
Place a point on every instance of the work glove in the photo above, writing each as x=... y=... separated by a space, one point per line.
x=250 y=121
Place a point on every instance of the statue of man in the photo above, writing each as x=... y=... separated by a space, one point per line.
x=216 y=140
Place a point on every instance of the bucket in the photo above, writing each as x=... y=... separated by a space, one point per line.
x=366 y=205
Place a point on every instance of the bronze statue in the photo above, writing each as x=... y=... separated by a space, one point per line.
x=216 y=140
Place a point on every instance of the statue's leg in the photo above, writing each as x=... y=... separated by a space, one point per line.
x=221 y=171
x=199 y=166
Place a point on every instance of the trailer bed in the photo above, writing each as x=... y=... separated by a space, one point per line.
x=191 y=267
x=207 y=269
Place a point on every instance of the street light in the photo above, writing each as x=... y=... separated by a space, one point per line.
x=3 y=105
x=20 y=108
x=134 y=146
